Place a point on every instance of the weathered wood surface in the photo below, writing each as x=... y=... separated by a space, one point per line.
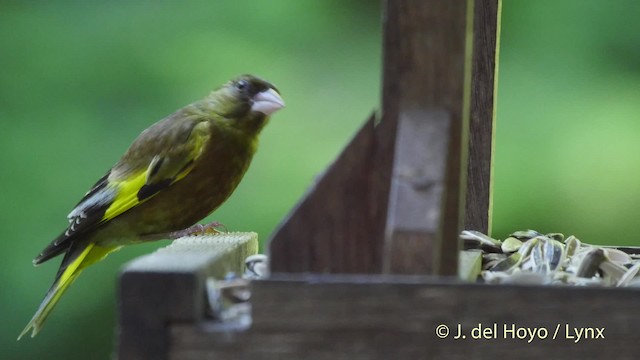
x=484 y=85
x=350 y=221
x=427 y=80
x=168 y=286
x=382 y=317
x=338 y=226
x=417 y=186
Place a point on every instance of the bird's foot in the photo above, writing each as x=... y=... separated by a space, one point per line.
x=198 y=230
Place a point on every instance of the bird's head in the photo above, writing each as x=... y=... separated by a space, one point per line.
x=247 y=101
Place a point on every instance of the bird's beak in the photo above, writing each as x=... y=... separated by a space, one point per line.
x=267 y=102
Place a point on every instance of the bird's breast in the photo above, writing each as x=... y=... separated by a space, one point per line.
x=215 y=175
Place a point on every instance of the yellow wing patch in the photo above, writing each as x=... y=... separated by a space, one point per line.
x=172 y=167
x=127 y=197
x=128 y=191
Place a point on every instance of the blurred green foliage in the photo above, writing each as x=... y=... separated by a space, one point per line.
x=79 y=80
x=568 y=132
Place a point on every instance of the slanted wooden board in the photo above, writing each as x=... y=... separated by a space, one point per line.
x=168 y=287
x=396 y=317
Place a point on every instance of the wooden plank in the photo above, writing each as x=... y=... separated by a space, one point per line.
x=396 y=317
x=427 y=65
x=168 y=286
x=486 y=43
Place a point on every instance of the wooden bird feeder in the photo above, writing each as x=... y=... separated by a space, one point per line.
x=366 y=265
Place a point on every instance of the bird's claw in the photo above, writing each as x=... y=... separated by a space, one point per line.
x=200 y=230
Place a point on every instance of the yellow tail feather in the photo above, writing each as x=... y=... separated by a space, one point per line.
x=91 y=254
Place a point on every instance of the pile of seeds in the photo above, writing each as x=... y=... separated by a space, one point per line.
x=528 y=257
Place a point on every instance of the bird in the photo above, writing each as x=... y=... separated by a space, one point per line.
x=174 y=174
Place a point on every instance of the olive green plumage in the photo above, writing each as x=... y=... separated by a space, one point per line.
x=174 y=174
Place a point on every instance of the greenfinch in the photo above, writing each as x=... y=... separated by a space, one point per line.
x=174 y=174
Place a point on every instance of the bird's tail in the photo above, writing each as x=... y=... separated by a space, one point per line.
x=76 y=260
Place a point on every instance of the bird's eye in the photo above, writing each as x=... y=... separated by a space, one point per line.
x=242 y=84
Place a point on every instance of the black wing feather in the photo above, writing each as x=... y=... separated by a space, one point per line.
x=85 y=220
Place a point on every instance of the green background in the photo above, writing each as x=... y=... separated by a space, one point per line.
x=79 y=80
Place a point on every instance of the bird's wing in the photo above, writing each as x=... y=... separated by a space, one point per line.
x=140 y=175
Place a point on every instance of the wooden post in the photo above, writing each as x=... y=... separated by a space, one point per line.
x=168 y=287
x=484 y=82
x=427 y=72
